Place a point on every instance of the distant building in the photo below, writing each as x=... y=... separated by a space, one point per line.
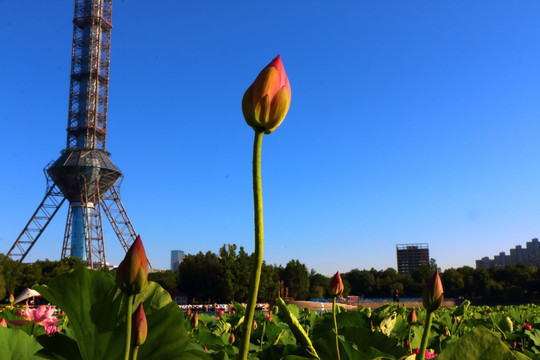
x=530 y=255
x=176 y=258
x=411 y=256
x=179 y=298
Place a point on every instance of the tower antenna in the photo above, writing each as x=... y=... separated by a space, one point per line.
x=84 y=173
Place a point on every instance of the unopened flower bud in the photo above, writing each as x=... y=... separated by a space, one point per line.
x=132 y=273
x=412 y=318
x=11 y=299
x=336 y=285
x=195 y=320
x=254 y=325
x=231 y=339
x=267 y=100
x=3 y=322
x=433 y=295
x=139 y=327
x=446 y=332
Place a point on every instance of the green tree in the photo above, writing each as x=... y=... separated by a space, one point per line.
x=318 y=285
x=167 y=279
x=296 y=279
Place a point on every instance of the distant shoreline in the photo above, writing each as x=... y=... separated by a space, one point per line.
x=327 y=306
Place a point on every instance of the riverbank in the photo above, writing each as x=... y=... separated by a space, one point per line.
x=327 y=306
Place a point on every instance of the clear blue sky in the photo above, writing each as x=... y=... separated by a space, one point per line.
x=410 y=121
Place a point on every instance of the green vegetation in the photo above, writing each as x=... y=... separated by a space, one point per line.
x=224 y=277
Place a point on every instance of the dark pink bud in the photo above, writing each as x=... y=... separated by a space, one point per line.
x=336 y=285
x=433 y=295
x=132 y=273
x=139 y=327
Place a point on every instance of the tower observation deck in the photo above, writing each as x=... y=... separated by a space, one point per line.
x=84 y=173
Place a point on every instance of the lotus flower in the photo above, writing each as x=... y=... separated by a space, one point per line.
x=428 y=354
x=267 y=100
x=336 y=285
x=527 y=326
x=50 y=330
x=433 y=295
x=42 y=315
x=3 y=322
x=132 y=273
x=11 y=299
x=139 y=326
x=231 y=339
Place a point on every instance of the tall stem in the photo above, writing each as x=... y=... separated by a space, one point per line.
x=259 y=242
x=334 y=308
x=425 y=335
x=128 y=326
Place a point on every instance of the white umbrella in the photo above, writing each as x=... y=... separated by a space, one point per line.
x=25 y=294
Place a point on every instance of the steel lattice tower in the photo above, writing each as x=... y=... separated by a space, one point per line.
x=84 y=174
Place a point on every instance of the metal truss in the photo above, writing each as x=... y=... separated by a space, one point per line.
x=49 y=206
x=89 y=87
x=118 y=217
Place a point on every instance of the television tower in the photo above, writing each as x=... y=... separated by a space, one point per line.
x=84 y=174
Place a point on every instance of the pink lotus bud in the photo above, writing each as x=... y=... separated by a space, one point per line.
x=267 y=100
x=336 y=285
x=50 y=330
x=3 y=322
x=220 y=313
x=132 y=273
x=188 y=312
x=11 y=299
x=527 y=326
x=433 y=295
x=139 y=326
x=231 y=339
x=412 y=318
x=195 y=320
x=254 y=325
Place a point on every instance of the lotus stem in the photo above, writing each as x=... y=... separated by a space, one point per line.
x=425 y=336
x=334 y=308
x=259 y=242
x=135 y=353
x=129 y=310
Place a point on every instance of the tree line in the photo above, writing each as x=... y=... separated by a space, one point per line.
x=224 y=276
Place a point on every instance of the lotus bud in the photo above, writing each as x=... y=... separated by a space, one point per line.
x=139 y=326
x=446 y=332
x=336 y=285
x=195 y=320
x=11 y=299
x=231 y=339
x=412 y=318
x=433 y=295
x=527 y=327
x=254 y=325
x=267 y=100
x=3 y=322
x=132 y=273
x=188 y=312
